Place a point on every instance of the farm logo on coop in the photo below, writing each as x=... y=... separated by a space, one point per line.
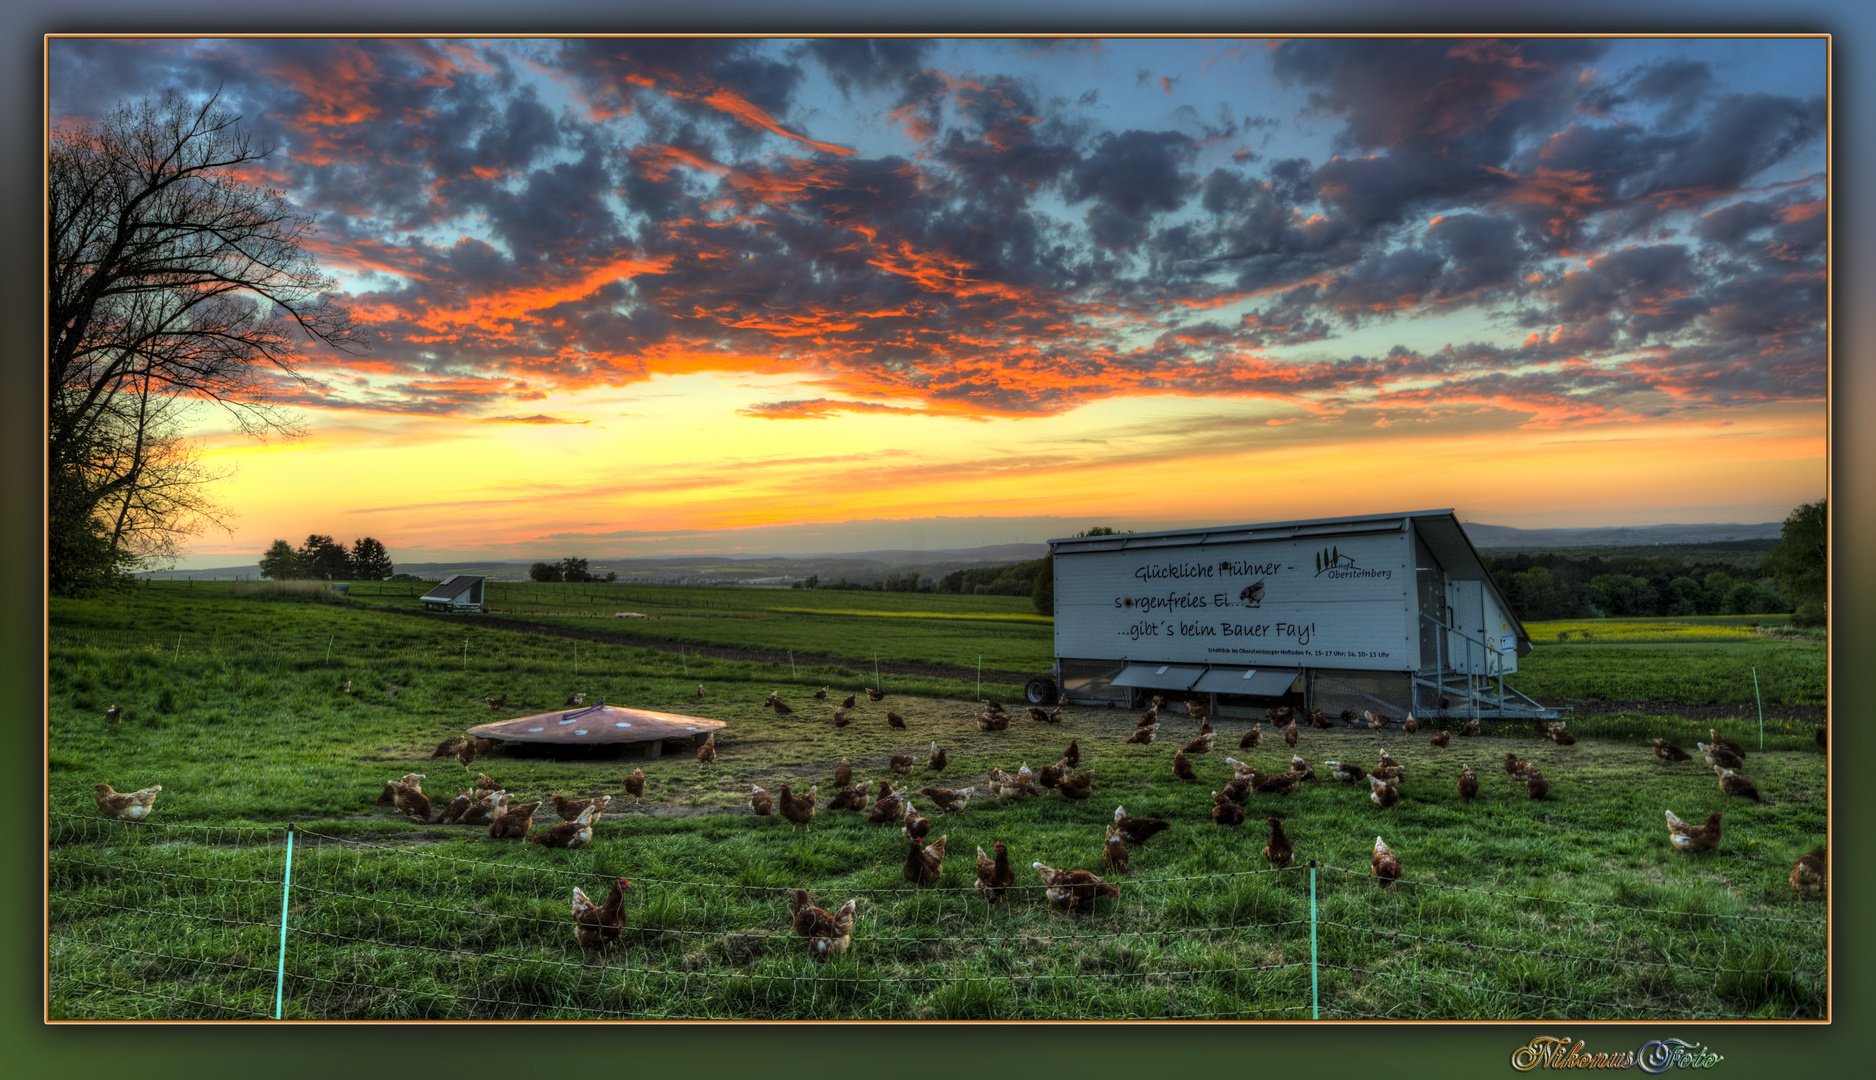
x=1332 y=562
x=1550 y=1052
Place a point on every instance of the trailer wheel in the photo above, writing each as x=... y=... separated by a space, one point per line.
x=1040 y=691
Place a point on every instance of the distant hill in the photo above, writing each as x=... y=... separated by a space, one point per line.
x=1489 y=537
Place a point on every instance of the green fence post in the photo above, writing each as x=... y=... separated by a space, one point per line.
x=178 y=657
x=465 y=654
x=1315 y=993
x=329 y=642
x=286 y=887
x=1761 y=704
x=980 y=675
x=791 y=663
x=576 y=659
x=876 y=671
x=681 y=659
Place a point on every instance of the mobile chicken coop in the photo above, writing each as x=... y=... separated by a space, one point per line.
x=1389 y=611
x=457 y=593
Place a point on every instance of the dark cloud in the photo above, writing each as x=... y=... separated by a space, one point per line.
x=869 y=63
x=1130 y=177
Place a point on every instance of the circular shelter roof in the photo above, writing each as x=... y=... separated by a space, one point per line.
x=596 y=725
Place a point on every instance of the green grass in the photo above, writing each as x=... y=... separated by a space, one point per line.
x=1574 y=907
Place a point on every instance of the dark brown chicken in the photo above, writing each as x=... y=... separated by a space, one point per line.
x=568 y=834
x=1385 y=865
x=875 y=695
x=569 y=809
x=1468 y=783
x=1249 y=741
x=887 y=808
x=1137 y=830
x=1808 y=874
x=951 y=802
x=1667 y=751
x=1290 y=734
x=829 y=935
x=1049 y=776
x=935 y=760
x=797 y=810
x=1470 y=729
x=1692 y=838
x=1202 y=744
x=1535 y=785
x=454 y=811
x=596 y=926
x=635 y=784
x=994 y=876
x=1071 y=757
x=923 y=862
x=843 y=773
x=1114 y=851
x=1734 y=784
x=1226 y=812
x=917 y=825
x=1183 y=768
x=857 y=797
x=840 y=718
x=1142 y=736
x=848 y=704
x=515 y=821
x=893 y=719
x=761 y=802
x=1443 y=738
x=1073 y=888
x=1078 y=786
x=707 y=753
x=900 y=764
x=1278 y=852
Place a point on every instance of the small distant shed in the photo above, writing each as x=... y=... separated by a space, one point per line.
x=458 y=593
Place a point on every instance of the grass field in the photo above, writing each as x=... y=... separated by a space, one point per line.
x=1573 y=907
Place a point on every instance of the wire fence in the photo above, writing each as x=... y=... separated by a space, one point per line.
x=169 y=922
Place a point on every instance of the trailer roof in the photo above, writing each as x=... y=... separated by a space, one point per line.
x=452 y=587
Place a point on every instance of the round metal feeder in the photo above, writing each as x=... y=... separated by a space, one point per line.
x=599 y=725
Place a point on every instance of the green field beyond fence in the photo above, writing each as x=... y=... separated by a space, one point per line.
x=156 y=922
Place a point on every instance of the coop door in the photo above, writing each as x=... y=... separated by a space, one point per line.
x=1432 y=582
x=1466 y=644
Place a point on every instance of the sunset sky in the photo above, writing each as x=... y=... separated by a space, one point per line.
x=651 y=296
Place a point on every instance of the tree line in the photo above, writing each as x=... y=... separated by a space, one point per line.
x=321 y=558
x=568 y=569
x=1791 y=579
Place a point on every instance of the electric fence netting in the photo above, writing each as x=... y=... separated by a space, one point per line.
x=182 y=922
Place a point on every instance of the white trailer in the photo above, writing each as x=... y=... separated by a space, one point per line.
x=1394 y=611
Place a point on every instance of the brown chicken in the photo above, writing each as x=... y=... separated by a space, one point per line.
x=1809 y=872
x=446 y=748
x=994 y=876
x=1278 y=852
x=457 y=807
x=1515 y=765
x=1470 y=729
x=568 y=834
x=1249 y=741
x=761 y=801
x=821 y=694
x=1290 y=735
x=828 y=935
x=849 y=703
x=1151 y=716
x=575 y=701
x=875 y=695
x=1385 y=864
x=127 y=805
x=1667 y=751
x=1114 y=851
x=893 y=719
x=782 y=708
x=1535 y=785
x=1142 y=736
x=111 y=714
x=840 y=718
x=1468 y=783
x=514 y=821
x=407 y=794
x=923 y=862
x=1238 y=789
x=497 y=702
x=951 y=802
x=707 y=753
x=1071 y=757
x=1719 y=756
x=798 y=810
x=935 y=760
x=1073 y=888
x=900 y=764
x=843 y=773
x=1410 y=725
x=1078 y=786
x=1283 y=783
x=916 y=825
x=1734 y=784
x=857 y=797
x=1137 y=830
x=1197 y=710
x=1382 y=793
x=1302 y=769
x=596 y=926
x=1346 y=773
x=570 y=809
x=1055 y=717
x=1692 y=838
x=1050 y=776
x=993 y=722
x=1226 y=812
x=1715 y=738
x=483 y=807
x=635 y=784
x=1561 y=737
x=888 y=808
x=1443 y=738
x=1201 y=745
x=1183 y=768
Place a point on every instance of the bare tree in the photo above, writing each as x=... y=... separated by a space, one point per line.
x=170 y=279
